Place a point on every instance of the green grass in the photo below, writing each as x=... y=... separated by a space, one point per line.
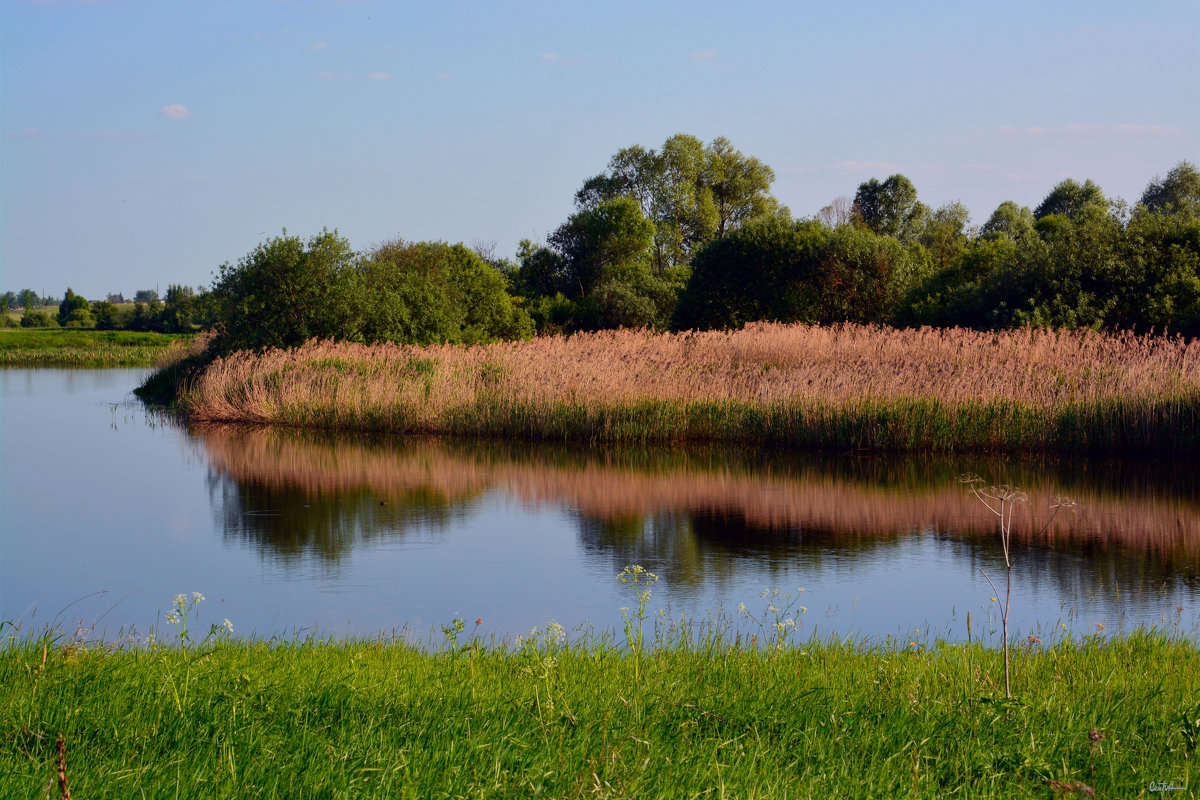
x=1167 y=425
x=57 y=347
x=697 y=717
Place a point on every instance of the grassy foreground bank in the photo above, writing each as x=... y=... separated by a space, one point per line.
x=845 y=387
x=41 y=347
x=549 y=719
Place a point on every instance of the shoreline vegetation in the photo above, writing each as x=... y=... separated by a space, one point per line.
x=50 y=347
x=696 y=712
x=846 y=386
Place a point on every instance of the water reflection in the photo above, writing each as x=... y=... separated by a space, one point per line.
x=356 y=535
x=705 y=514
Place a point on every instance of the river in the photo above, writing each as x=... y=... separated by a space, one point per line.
x=109 y=509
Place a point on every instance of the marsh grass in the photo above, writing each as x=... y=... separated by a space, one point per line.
x=846 y=387
x=84 y=348
x=700 y=712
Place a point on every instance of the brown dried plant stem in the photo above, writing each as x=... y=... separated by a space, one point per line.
x=1002 y=501
x=63 y=792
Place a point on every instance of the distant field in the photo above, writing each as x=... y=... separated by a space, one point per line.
x=56 y=347
x=15 y=315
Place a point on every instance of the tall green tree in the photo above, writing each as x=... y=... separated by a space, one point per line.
x=285 y=292
x=945 y=233
x=692 y=193
x=605 y=260
x=1009 y=220
x=178 y=309
x=610 y=238
x=1178 y=193
x=1073 y=200
x=785 y=271
x=540 y=271
x=741 y=187
x=891 y=208
x=683 y=211
x=74 y=311
x=108 y=316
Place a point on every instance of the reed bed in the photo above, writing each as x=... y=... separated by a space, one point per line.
x=785 y=497
x=846 y=386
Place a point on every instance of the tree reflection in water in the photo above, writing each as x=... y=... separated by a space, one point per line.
x=702 y=514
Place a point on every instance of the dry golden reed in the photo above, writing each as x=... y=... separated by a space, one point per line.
x=843 y=386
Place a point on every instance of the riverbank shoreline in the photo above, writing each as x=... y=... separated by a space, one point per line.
x=544 y=717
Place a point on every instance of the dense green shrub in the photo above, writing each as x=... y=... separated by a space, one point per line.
x=600 y=271
x=74 y=311
x=37 y=319
x=109 y=316
x=429 y=292
x=287 y=291
x=1094 y=269
x=797 y=272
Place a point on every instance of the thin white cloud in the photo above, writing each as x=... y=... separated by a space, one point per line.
x=551 y=57
x=705 y=55
x=317 y=47
x=328 y=75
x=1126 y=130
x=858 y=166
x=176 y=111
x=852 y=166
x=1032 y=130
x=1039 y=175
x=1076 y=129
x=27 y=133
x=111 y=134
x=445 y=76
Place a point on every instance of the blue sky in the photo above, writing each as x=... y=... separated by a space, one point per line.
x=144 y=143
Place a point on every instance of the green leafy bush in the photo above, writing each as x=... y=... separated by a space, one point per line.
x=785 y=271
x=288 y=291
x=37 y=319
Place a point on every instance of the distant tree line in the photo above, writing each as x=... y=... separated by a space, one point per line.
x=184 y=309
x=689 y=236
x=26 y=298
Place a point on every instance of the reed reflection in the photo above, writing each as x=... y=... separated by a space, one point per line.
x=706 y=513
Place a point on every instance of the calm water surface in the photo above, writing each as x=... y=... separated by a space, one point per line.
x=107 y=511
